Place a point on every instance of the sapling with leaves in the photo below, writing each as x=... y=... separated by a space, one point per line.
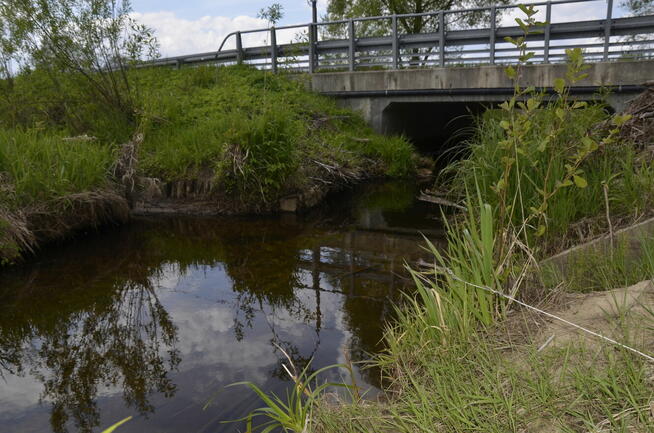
x=272 y=13
x=523 y=138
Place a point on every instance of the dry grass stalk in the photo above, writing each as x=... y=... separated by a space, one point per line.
x=639 y=129
x=15 y=237
x=62 y=216
x=125 y=168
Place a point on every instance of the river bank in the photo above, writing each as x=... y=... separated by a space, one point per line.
x=496 y=340
x=208 y=141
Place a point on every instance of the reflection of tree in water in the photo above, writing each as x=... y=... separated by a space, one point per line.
x=266 y=275
x=102 y=326
x=124 y=339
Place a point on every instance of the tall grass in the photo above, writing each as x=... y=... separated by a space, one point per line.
x=546 y=169
x=37 y=166
x=541 y=168
x=445 y=304
x=498 y=382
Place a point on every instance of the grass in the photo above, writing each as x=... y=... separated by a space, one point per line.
x=604 y=269
x=444 y=304
x=628 y=176
x=497 y=381
x=255 y=132
x=251 y=136
x=38 y=166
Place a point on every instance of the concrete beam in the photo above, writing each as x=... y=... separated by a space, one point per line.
x=482 y=77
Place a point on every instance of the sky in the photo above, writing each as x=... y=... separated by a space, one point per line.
x=197 y=26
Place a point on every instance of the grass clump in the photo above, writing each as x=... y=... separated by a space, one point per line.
x=39 y=166
x=604 y=268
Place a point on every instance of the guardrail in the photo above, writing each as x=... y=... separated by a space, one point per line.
x=382 y=44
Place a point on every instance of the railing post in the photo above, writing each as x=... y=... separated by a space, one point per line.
x=441 y=37
x=607 y=29
x=239 y=48
x=492 y=35
x=273 y=49
x=312 y=48
x=396 y=49
x=546 y=40
x=352 y=53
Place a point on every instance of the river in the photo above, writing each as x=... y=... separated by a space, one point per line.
x=154 y=318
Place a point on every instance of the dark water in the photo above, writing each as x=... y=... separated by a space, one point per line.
x=153 y=319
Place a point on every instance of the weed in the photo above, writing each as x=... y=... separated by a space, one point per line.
x=294 y=413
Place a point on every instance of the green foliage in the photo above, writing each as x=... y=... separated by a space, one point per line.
x=542 y=163
x=294 y=413
x=38 y=166
x=68 y=106
x=341 y=9
x=489 y=382
x=90 y=41
x=255 y=133
x=252 y=130
x=639 y=7
x=445 y=303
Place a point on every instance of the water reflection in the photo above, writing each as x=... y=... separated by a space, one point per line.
x=154 y=318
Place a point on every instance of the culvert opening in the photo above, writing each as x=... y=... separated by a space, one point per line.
x=435 y=128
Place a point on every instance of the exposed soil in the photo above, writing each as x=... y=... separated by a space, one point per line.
x=601 y=312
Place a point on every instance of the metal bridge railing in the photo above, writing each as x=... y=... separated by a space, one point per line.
x=379 y=42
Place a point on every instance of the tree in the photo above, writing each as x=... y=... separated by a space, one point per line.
x=272 y=13
x=91 y=41
x=343 y=9
x=639 y=7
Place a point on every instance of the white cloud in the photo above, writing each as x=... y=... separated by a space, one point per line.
x=569 y=12
x=179 y=36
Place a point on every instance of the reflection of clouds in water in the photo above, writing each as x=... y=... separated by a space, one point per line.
x=203 y=306
x=18 y=394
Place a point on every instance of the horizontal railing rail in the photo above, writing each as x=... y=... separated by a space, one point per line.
x=378 y=42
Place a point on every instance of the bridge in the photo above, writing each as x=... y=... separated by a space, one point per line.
x=402 y=81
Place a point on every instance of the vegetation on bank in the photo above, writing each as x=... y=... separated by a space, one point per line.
x=463 y=354
x=259 y=133
x=252 y=136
